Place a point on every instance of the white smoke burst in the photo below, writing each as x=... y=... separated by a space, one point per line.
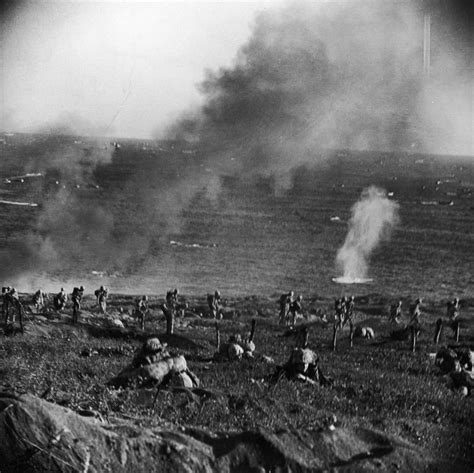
x=373 y=218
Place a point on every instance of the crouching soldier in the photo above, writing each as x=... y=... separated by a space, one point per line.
x=76 y=297
x=38 y=300
x=214 y=302
x=59 y=300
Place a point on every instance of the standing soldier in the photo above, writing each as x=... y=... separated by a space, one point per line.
x=214 y=302
x=76 y=297
x=453 y=309
x=170 y=308
x=395 y=312
x=452 y=313
x=13 y=301
x=349 y=317
x=141 y=310
x=101 y=294
x=5 y=303
x=296 y=309
x=38 y=300
x=338 y=312
x=285 y=302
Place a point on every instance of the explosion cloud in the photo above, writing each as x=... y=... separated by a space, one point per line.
x=313 y=76
x=373 y=218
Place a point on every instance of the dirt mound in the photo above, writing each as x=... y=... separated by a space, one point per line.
x=37 y=435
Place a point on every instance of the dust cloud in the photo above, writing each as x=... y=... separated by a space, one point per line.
x=373 y=218
x=313 y=76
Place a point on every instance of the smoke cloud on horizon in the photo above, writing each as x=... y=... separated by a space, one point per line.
x=312 y=76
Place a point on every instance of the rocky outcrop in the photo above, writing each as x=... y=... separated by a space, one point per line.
x=40 y=436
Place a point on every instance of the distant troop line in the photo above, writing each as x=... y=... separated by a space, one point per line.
x=290 y=310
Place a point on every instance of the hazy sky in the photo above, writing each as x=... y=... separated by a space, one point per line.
x=122 y=68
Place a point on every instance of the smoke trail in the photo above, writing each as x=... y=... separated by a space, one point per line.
x=373 y=218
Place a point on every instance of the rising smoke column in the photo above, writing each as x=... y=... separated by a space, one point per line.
x=373 y=218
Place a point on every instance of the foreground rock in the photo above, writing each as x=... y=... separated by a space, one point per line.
x=154 y=365
x=40 y=436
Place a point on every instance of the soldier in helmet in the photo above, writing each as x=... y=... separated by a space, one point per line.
x=60 y=299
x=13 y=303
x=170 y=309
x=141 y=309
x=285 y=301
x=214 y=303
x=5 y=303
x=453 y=309
x=416 y=313
x=101 y=294
x=296 y=309
x=76 y=297
x=395 y=312
x=452 y=313
x=38 y=300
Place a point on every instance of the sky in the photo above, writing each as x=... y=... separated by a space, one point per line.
x=123 y=68
x=134 y=69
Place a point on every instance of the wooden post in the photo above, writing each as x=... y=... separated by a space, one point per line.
x=438 y=330
x=252 y=330
x=334 y=337
x=218 y=338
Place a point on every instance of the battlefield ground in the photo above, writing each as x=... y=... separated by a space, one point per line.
x=378 y=384
x=388 y=408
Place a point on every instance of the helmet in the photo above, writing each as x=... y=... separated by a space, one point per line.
x=144 y=298
x=352 y=298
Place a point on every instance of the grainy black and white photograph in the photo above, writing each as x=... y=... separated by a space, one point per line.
x=237 y=236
